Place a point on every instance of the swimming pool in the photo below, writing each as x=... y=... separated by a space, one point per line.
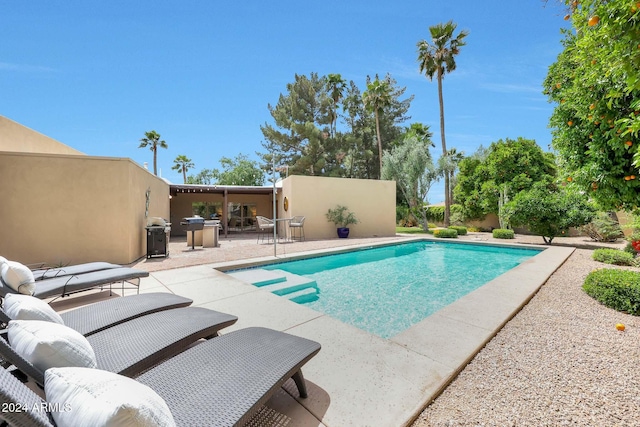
x=387 y=289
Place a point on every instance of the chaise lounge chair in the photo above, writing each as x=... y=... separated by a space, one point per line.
x=47 y=273
x=64 y=285
x=221 y=382
x=134 y=346
x=98 y=316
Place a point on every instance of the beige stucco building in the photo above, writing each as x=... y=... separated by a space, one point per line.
x=61 y=206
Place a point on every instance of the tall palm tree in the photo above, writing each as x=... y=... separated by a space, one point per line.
x=182 y=164
x=448 y=164
x=376 y=98
x=438 y=58
x=152 y=140
x=335 y=85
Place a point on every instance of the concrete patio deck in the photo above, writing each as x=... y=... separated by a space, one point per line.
x=357 y=379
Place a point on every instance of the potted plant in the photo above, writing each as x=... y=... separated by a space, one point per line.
x=342 y=218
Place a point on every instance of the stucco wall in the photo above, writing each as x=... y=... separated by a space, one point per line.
x=372 y=201
x=72 y=209
x=19 y=138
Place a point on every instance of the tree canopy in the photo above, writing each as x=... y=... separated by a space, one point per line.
x=548 y=210
x=596 y=85
x=411 y=166
x=490 y=179
x=306 y=137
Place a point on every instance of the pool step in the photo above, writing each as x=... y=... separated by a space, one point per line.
x=304 y=296
x=293 y=283
x=259 y=277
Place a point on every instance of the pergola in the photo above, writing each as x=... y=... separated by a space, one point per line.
x=224 y=190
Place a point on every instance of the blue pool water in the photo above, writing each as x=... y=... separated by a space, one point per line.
x=386 y=290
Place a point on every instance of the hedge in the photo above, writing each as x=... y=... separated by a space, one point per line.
x=462 y=231
x=503 y=233
x=436 y=213
x=445 y=233
x=614 y=256
x=615 y=288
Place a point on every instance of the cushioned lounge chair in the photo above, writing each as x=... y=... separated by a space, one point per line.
x=221 y=382
x=65 y=285
x=99 y=316
x=46 y=273
x=134 y=346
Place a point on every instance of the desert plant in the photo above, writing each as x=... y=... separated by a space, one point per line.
x=446 y=233
x=503 y=233
x=462 y=231
x=341 y=216
x=615 y=288
x=613 y=256
x=603 y=228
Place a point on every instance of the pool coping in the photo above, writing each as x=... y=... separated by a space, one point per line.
x=361 y=379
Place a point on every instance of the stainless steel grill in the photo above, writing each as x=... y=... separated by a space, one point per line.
x=193 y=224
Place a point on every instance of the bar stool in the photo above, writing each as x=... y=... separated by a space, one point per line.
x=297 y=222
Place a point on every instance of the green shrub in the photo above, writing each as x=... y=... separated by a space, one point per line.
x=613 y=256
x=436 y=213
x=462 y=231
x=615 y=288
x=432 y=225
x=473 y=229
x=603 y=229
x=445 y=233
x=503 y=233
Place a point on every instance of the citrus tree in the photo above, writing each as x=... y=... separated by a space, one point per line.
x=548 y=210
x=487 y=182
x=595 y=84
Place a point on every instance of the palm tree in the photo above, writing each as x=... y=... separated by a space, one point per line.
x=376 y=98
x=152 y=140
x=448 y=164
x=182 y=164
x=438 y=58
x=335 y=85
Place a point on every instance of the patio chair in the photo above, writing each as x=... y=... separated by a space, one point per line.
x=99 y=316
x=221 y=382
x=265 y=226
x=65 y=285
x=297 y=222
x=46 y=273
x=132 y=347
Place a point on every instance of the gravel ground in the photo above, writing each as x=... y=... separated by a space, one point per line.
x=560 y=361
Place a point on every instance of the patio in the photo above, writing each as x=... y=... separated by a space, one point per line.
x=357 y=379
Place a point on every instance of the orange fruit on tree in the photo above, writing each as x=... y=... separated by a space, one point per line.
x=594 y=20
x=570 y=123
x=592 y=107
x=569 y=179
x=620 y=326
x=558 y=85
x=632 y=177
x=566 y=17
x=628 y=143
x=594 y=186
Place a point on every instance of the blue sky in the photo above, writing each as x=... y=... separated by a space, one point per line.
x=97 y=75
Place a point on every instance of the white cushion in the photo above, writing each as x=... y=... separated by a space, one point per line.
x=96 y=398
x=156 y=220
x=49 y=345
x=2 y=260
x=26 y=307
x=18 y=277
